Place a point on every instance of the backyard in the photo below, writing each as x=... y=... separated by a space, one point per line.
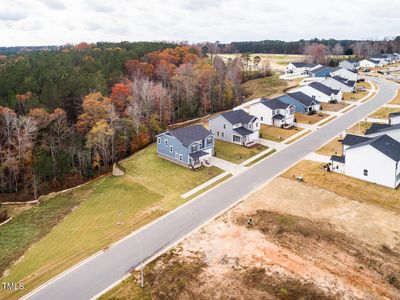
x=90 y=218
x=360 y=127
x=277 y=134
x=236 y=153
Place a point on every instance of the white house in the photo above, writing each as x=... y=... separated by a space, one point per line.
x=368 y=63
x=273 y=112
x=394 y=118
x=376 y=160
x=378 y=129
x=235 y=127
x=321 y=92
x=300 y=68
x=345 y=73
x=383 y=59
x=351 y=65
x=339 y=83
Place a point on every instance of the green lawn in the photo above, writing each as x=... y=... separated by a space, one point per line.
x=236 y=153
x=109 y=209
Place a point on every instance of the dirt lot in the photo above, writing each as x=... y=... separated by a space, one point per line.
x=333 y=106
x=289 y=240
x=310 y=119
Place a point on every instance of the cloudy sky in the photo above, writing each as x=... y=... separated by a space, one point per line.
x=54 y=22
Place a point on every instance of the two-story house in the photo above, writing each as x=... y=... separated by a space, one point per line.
x=303 y=103
x=273 y=112
x=341 y=84
x=321 y=92
x=190 y=146
x=351 y=64
x=235 y=126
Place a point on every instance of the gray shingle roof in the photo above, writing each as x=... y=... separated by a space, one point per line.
x=321 y=69
x=274 y=103
x=190 y=134
x=384 y=144
x=350 y=83
x=351 y=139
x=242 y=131
x=303 y=98
x=340 y=159
x=323 y=88
x=198 y=154
x=394 y=114
x=238 y=116
x=278 y=117
x=299 y=64
x=376 y=128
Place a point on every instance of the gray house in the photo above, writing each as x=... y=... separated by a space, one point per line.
x=189 y=146
x=302 y=102
x=235 y=127
x=351 y=64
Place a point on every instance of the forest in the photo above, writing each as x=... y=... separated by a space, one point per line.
x=67 y=115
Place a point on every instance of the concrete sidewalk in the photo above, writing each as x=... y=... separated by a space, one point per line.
x=318 y=157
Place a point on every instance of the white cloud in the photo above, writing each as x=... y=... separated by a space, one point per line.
x=38 y=22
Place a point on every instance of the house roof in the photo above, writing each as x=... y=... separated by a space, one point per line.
x=377 y=128
x=394 y=114
x=322 y=68
x=353 y=61
x=198 y=154
x=379 y=55
x=384 y=144
x=310 y=65
x=350 y=83
x=274 y=103
x=278 y=117
x=190 y=134
x=340 y=159
x=352 y=139
x=242 y=131
x=371 y=60
x=238 y=116
x=299 y=64
x=323 y=88
x=303 y=98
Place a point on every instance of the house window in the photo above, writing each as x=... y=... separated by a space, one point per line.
x=365 y=172
x=176 y=155
x=224 y=126
x=217 y=133
x=222 y=134
x=180 y=157
x=194 y=148
x=166 y=143
x=159 y=140
x=209 y=141
x=262 y=118
x=250 y=126
x=201 y=144
x=171 y=149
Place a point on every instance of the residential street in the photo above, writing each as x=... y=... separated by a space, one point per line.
x=90 y=278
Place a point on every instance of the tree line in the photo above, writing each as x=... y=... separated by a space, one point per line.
x=68 y=115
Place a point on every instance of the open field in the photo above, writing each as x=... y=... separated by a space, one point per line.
x=396 y=100
x=360 y=127
x=267 y=87
x=277 y=134
x=236 y=153
x=309 y=119
x=345 y=186
x=277 y=62
x=333 y=106
x=109 y=209
x=286 y=241
x=334 y=147
x=383 y=112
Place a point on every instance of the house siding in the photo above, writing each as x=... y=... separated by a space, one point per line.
x=299 y=107
x=337 y=85
x=346 y=74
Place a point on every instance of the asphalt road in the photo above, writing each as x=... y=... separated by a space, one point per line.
x=90 y=278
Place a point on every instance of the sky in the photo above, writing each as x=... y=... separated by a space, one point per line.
x=57 y=22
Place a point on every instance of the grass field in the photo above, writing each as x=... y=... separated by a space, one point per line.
x=236 y=153
x=396 y=100
x=383 y=112
x=110 y=208
x=354 y=96
x=346 y=186
x=333 y=106
x=309 y=119
x=277 y=134
x=334 y=147
x=264 y=87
